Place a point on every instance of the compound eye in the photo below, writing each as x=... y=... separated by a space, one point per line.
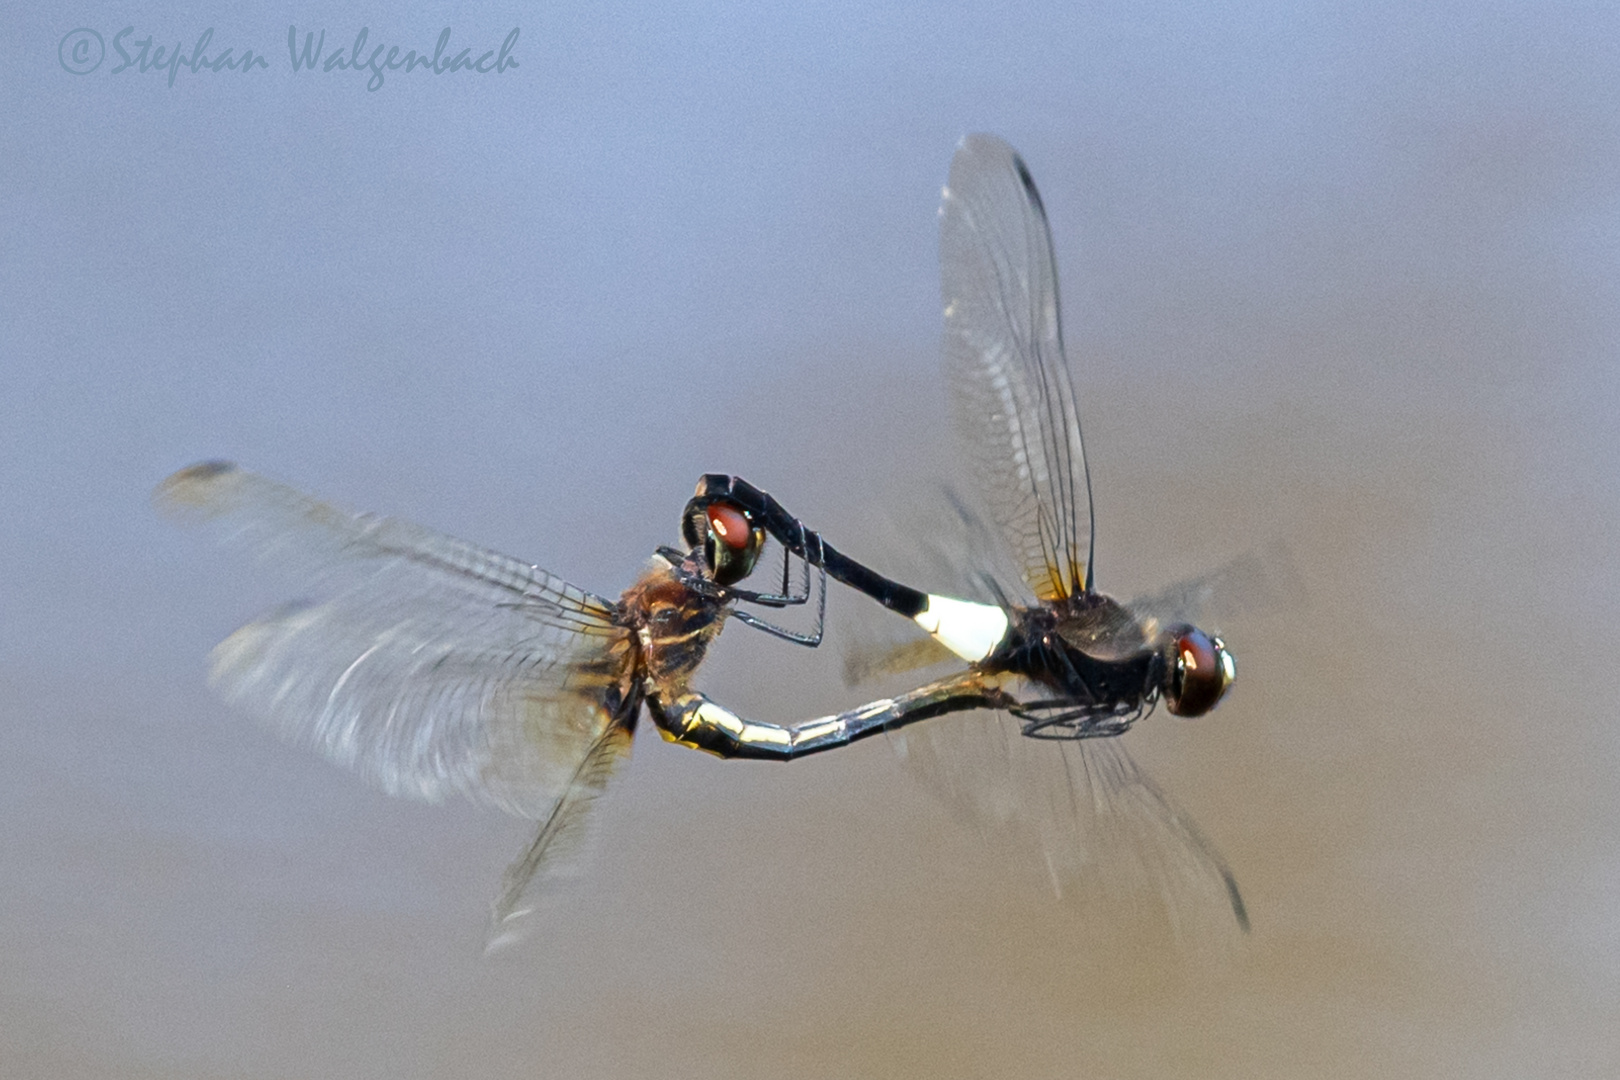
x=733 y=544
x=730 y=526
x=1200 y=671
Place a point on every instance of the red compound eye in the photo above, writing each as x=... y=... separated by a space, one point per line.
x=1197 y=654
x=1200 y=671
x=730 y=525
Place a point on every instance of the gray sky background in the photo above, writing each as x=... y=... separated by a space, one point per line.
x=1338 y=275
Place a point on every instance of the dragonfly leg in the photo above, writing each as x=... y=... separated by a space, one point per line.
x=792 y=534
x=1062 y=719
x=705 y=586
x=970 y=630
x=788 y=598
x=811 y=639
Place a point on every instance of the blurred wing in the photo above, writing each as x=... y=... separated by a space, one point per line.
x=1014 y=402
x=433 y=668
x=952 y=550
x=870 y=660
x=1083 y=810
x=1252 y=582
x=561 y=838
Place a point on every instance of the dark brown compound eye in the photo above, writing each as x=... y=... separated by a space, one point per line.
x=1199 y=669
x=730 y=526
x=733 y=543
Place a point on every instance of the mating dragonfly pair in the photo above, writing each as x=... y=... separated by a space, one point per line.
x=435 y=667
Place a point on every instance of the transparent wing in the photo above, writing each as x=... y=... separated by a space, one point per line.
x=1082 y=813
x=1251 y=582
x=872 y=660
x=432 y=667
x=938 y=540
x=556 y=848
x=1082 y=810
x=1014 y=402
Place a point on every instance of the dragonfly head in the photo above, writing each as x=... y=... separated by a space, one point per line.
x=730 y=538
x=1197 y=670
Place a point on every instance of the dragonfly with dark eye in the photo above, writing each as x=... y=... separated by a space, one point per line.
x=433 y=667
x=1069 y=663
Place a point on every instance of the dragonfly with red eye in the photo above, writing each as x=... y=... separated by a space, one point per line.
x=433 y=667
x=1069 y=662
x=731 y=543
x=1105 y=664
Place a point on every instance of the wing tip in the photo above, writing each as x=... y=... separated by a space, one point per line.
x=1234 y=896
x=196 y=488
x=508 y=927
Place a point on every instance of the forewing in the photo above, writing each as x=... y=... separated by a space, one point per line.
x=431 y=667
x=1013 y=398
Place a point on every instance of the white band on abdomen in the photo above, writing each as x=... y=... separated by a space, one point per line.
x=971 y=631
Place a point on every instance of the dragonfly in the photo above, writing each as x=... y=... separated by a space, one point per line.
x=1068 y=662
x=433 y=667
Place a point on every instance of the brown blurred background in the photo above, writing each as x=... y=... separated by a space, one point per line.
x=1344 y=281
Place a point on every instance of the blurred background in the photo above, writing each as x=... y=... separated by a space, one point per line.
x=1341 y=276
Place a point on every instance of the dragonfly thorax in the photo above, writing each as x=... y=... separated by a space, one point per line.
x=1097 y=625
x=673 y=623
x=1061 y=650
